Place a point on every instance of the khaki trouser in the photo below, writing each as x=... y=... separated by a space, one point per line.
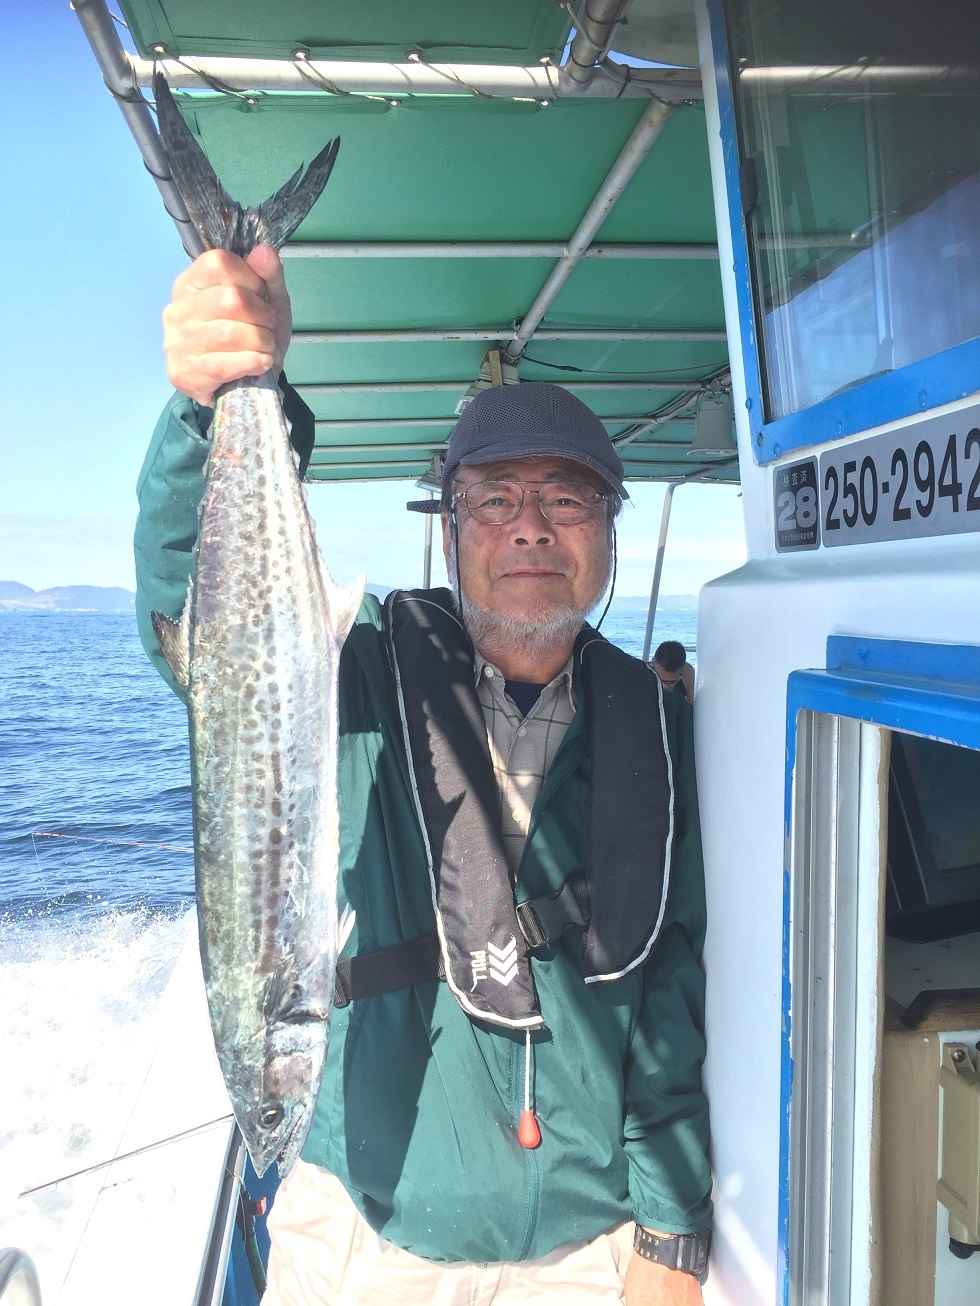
x=325 y=1254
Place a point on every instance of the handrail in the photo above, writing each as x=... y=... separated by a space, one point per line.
x=18 y=1279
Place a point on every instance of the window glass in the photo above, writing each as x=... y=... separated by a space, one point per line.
x=860 y=138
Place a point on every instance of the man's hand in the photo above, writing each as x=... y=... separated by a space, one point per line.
x=650 y=1284
x=229 y=318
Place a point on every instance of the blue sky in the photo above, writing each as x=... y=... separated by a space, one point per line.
x=90 y=257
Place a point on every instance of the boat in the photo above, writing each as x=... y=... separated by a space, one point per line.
x=746 y=234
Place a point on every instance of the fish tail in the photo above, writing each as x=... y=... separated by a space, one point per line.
x=220 y=220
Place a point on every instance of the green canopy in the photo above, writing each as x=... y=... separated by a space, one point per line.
x=421 y=172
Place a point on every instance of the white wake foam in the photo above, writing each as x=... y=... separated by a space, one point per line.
x=78 y=1000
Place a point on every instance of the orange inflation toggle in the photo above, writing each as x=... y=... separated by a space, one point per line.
x=528 y=1133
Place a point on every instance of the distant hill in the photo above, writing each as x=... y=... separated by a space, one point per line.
x=15 y=597
x=666 y=603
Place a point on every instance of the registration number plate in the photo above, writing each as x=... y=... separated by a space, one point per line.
x=909 y=483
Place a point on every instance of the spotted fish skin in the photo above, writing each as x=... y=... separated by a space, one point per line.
x=257 y=653
x=263 y=630
x=267 y=627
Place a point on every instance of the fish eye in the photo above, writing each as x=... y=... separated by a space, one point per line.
x=271 y=1115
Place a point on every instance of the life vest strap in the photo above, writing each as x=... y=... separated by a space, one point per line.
x=542 y=920
x=546 y=918
x=397 y=967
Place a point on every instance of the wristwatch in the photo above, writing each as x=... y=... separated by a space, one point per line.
x=687 y=1252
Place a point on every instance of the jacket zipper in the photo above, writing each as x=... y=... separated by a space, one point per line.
x=532 y=1170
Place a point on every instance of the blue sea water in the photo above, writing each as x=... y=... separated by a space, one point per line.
x=94 y=784
x=94 y=750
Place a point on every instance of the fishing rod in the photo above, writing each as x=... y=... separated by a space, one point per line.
x=126 y=1156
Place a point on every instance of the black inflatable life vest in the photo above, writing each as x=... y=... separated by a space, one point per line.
x=483 y=949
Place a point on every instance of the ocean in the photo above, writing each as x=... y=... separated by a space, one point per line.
x=96 y=893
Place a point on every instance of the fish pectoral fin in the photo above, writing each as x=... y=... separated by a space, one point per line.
x=344 y=606
x=287 y=998
x=175 y=644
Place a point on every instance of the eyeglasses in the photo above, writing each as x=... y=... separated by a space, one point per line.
x=563 y=503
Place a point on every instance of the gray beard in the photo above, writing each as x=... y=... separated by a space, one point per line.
x=493 y=633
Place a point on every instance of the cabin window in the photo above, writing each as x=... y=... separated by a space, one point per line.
x=859 y=125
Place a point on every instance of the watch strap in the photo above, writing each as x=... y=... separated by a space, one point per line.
x=687 y=1252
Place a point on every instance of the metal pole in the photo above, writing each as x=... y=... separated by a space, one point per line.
x=427 y=554
x=471 y=334
x=117 y=72
x=457 y=387
x=400 y=423
x=492 y=249
x=646 y=131
x=392 y=80
x=18 y=1278
x=439 y=446
x=596 y=24
x=657 y=569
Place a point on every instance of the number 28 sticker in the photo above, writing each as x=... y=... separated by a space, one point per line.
x=796 y=507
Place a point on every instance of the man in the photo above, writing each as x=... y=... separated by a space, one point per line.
x=675 y=672
x=518 y=814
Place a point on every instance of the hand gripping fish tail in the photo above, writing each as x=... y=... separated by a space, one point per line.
x=220 y=220
x=256 y=654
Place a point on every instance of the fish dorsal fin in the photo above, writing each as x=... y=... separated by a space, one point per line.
x=220 y=220
x=175 y=644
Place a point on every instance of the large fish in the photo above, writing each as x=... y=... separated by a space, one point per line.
x=256 y=652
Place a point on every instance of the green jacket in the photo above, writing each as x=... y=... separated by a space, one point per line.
x=419 y=1105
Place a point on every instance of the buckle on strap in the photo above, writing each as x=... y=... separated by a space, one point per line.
x=545 y=919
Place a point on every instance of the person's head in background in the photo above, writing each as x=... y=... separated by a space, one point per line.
x=675 y=672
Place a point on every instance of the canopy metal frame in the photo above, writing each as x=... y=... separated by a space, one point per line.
x=586 y=74
x=395 y=81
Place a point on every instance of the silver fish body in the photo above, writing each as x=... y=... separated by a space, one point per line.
x=263 y=630
x=257 y=651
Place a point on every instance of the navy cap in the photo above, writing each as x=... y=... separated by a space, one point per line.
x=527 y=419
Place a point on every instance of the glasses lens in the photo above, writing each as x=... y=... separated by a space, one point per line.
x=494 y=502
x=568 y=502
x=565 y=503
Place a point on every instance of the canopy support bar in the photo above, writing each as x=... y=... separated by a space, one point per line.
x=490 y=249
x=646 y=131
x=596 y=25
x=658 y=567
x=491 y=334
x=316 y=76
x=457 y=387
x=674 y=469
x=436 y=446
x=400 y=423
x=117 y=73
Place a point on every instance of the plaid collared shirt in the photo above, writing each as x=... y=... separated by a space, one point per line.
x=522 y=748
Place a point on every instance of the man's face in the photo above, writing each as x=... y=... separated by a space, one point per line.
x=669 y=678
x=530 y=570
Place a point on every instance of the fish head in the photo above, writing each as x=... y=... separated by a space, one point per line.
x=276 y=1124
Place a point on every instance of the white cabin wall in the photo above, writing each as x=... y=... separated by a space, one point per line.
x=756 y=626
